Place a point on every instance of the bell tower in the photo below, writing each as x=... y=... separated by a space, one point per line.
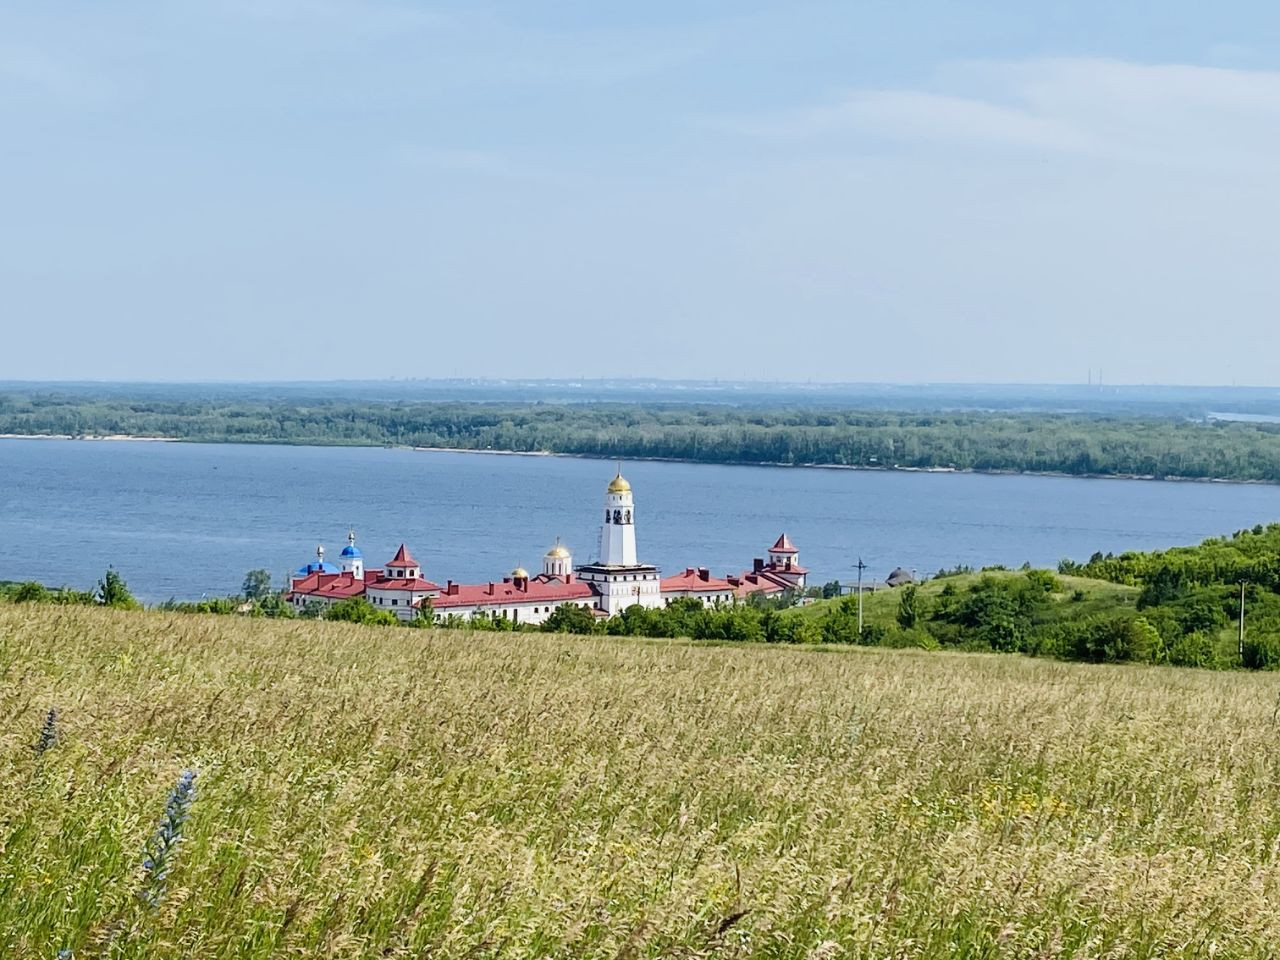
x=618 y=532
x=618 y=578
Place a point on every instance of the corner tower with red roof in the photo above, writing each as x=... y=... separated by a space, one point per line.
x=400 y=587
x=784 y=563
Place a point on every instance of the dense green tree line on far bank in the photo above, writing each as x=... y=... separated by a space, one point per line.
x=1025 y=442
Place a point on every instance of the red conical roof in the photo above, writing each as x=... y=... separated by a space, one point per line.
x=783 y=545
x=403 y=558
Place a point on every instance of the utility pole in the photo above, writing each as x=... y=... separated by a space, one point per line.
x=1241 y=640
x=861 y=566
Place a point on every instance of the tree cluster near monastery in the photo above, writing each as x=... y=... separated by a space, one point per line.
x=193 y=786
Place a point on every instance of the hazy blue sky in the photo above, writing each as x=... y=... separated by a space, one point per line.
x=1005 y=191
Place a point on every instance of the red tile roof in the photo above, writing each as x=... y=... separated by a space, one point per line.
x=403 y=558
x=760 y=581
x=416 y=584
x=340 y=585
x=783 y=545
x=487 y=594
x=694 y=581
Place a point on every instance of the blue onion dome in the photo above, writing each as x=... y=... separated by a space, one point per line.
x=314 y=567
x=351 y=550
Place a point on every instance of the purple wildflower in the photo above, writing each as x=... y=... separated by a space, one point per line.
x=48 y=732
x=161 y=851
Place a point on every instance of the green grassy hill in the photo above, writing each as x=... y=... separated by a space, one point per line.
x=367 y=792
x=1100 y=597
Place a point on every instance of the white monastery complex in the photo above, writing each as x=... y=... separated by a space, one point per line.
x=606 y=586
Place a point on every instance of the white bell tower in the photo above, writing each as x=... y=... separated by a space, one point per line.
x=618 y=533
x=618 y=578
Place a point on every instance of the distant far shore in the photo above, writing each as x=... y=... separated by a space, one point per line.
x=642 y=459
x=862 y=468
x=88 y=436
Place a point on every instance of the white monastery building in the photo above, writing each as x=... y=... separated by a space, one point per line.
x=607 y=586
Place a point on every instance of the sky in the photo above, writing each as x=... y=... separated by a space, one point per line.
x=875 y=191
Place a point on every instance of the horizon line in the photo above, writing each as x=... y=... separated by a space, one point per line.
x=713 y=382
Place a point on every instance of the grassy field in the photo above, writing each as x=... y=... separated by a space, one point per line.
x=388 y=793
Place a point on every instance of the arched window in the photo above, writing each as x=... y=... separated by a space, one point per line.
x=617 y=516
x=627 y=515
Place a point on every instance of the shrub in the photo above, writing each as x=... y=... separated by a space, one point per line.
x=839 y=626
x=311 y=610
x=873 y=635
x=569 y=618
x=1042 y=581
x=1191 y=650
x=114 y=592
x=30 y=592
x=910 y=607
x=1113 y=639
x=1262 y=652
x=909 y=639
x=1047 y=642
x=789 y=627
x=360 y=610
x=1201 y=614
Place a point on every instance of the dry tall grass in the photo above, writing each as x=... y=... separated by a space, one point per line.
x=397 y=793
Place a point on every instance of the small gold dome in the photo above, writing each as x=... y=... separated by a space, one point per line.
x=558 y=552
x=519 y=573
x=619 y=485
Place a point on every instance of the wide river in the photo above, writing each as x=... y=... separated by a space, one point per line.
x=182 y=520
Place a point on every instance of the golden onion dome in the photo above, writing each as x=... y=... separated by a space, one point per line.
x=619 y=485
x=558 y=552
x=519 y=573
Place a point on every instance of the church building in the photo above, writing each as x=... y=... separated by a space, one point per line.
x=606 y=586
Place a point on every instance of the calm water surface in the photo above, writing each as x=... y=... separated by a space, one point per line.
x=184 y=520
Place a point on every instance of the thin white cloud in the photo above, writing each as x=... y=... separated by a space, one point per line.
x=1109 y=109
x=920 y=115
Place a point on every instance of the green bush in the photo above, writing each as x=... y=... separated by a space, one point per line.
x=1262 y=652
x=789 y=627
x=30 y=592
x=914 y=638
x=1043 y=581
x=1191 y=650
x=1114 y=639
x=570 y=618
x=360 y=610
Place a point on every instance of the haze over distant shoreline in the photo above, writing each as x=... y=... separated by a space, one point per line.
x=1198 y=402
